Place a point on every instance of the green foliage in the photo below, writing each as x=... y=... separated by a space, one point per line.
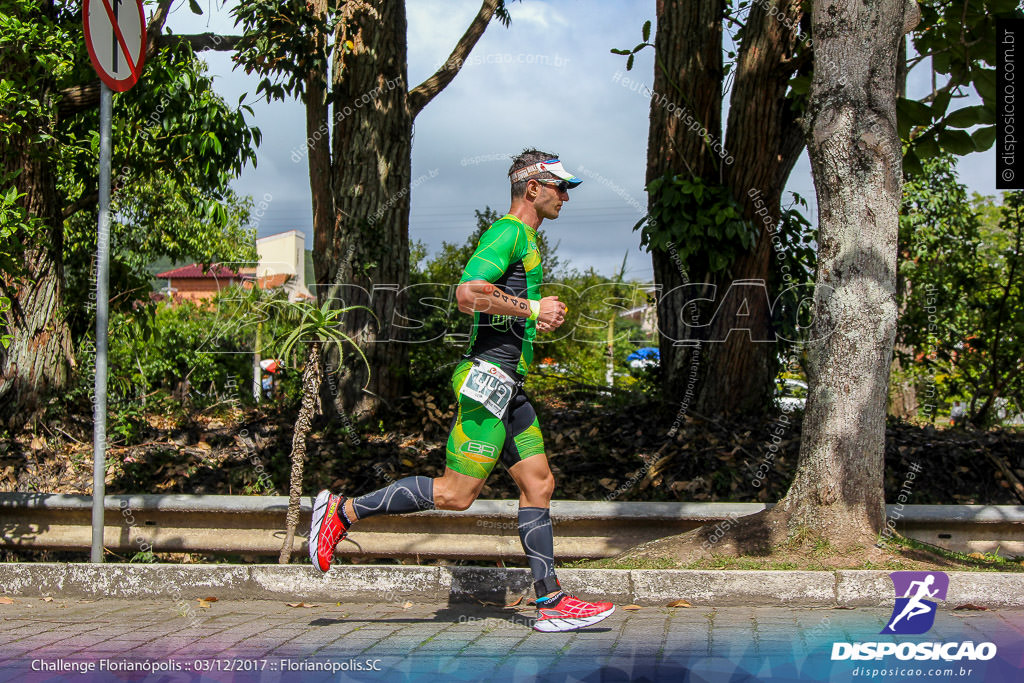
x=316 y=323
x=174 y=343
x=34 y=51
x=962 y=277
x=284 y=41
x=39 y=48
x=177 y=146
x=577 y=352
x=795 y=245
x=630 y=55
x=280 y=43
x=693 y=216
x=13 y=219
x=960 y=39
x=171 y=193
x=143 y=556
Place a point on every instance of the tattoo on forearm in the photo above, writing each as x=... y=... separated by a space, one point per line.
x=518 y=303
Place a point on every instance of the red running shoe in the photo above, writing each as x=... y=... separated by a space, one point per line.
x=327 y=529
x=567 y=613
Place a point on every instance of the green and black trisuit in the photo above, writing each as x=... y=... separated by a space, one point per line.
x=481 y=433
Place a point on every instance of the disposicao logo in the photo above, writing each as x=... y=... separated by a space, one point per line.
x=914 y=614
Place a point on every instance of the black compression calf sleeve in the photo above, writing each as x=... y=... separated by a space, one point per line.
x=539 y=544
x=411 y=494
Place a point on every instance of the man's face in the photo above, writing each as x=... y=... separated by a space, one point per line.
x=549 y=200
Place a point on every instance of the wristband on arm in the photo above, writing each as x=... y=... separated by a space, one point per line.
x=534 y=309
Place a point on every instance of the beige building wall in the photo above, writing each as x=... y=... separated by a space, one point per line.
x=282 y=254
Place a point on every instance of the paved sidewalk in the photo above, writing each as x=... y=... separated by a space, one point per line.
x=263 y=640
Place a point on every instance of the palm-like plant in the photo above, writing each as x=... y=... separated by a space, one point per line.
x=318 y=326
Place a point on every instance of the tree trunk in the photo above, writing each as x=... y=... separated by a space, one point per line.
x=765 y=139
x=371 y=197
x=311 y=376
x=856 y=160
x=688 y=75
x=38 y=359
x=764 y=142
x=361 y=223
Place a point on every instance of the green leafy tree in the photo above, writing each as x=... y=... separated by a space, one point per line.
x=962 y=272
x=957 y=41
x=177 y=146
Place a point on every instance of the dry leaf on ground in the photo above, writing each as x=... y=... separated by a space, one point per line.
x=631 y=607
x=679 y=603
x=515 y=602
x=406 y=605
x=47 y=599
x=210 y=599
x=6 y=601
x=970 y=606
x=300 y=604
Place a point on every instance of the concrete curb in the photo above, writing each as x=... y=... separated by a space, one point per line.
x=390 y=583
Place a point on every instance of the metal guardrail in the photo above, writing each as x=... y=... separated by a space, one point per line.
x=254 y=525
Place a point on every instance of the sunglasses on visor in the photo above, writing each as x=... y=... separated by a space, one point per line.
x=560 y=185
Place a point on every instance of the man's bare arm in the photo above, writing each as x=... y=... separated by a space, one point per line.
x=482 y=296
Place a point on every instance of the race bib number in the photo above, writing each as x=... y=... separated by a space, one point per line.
x=490 y=385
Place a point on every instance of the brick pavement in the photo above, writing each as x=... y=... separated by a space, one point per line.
x=262 y=640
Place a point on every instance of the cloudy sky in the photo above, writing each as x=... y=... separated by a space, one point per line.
x=547 y=81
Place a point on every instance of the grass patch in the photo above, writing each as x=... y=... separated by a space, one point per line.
x=612 y=563
x=896 y=553
x=970 y=561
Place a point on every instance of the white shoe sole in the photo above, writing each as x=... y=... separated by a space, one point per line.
x=570 y=624
x=319 y=510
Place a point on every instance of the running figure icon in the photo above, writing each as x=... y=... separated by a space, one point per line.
x=916 y=605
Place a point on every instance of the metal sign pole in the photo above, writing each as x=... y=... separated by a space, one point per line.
x=99 y=470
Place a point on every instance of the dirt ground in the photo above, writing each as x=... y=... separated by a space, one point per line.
x=611 y=451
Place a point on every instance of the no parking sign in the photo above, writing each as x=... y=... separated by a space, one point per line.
x=115 y=34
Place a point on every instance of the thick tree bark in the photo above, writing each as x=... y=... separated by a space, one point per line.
x=764 y=141
x=311 y=377
x=687 y=74
x=371 y=153
x=362 y=250
x=38 y=359
x=856 y=160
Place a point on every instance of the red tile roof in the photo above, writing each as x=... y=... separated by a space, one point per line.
x=196 y=271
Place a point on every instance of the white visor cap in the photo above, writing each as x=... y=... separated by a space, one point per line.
x=553 y=166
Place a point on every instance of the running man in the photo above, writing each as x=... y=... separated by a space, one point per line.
x=915 y=606
x=495 y=421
